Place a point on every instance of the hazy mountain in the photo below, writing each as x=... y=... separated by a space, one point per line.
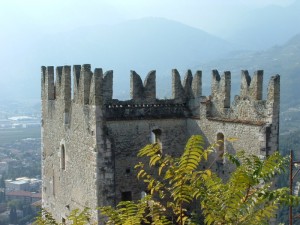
x=141 y=45
x=283 y=60
x=266 y=27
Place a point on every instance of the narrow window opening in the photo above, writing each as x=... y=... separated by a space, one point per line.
x=126 y=196
x=220 y=149
x=143 y=194
x=63 y=158
x=156 y=136
x=63 y=220
x=53 y=185
x=127 y=171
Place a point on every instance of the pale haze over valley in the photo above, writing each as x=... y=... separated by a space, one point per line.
x=138 y=35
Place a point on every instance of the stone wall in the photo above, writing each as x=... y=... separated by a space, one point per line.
x=247 y=109
x=72 y=142
x=90 y=140
x=65 y=183
x=128 y=137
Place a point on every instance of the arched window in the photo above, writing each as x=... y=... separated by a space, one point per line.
x=156 y=136
x=63 y=158
x=220 y=149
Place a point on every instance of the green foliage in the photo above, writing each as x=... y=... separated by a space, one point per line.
x=145 y=211
x=2 y=189
x=76 y=217
x=45 y=218
x=247 y=197
x=288 y=140
x=80 y=218
x=15 y=203
x=13 y=217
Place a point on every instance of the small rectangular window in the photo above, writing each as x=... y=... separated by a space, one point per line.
x=126 y=196
x=53 y=185
x=63 y=158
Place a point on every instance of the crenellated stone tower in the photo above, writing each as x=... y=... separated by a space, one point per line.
x=90 y=140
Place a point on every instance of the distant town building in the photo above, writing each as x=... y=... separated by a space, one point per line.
x=16 y=185
x=23 y=184
x=20 y=122
x=25 y=197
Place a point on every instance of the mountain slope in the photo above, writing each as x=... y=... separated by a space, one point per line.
x=141 y=45
x=283 y=60
x=266 y=27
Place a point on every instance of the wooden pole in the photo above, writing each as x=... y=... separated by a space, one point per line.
x=291 y=186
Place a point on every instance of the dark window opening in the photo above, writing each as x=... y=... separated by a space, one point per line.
x=156 y=136
x=63 y=158
x=127 y=171
x=220 y=149
x=126 y=196
x=53 y=185
x=63 y=220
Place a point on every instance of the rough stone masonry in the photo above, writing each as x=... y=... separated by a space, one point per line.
x=90 y=140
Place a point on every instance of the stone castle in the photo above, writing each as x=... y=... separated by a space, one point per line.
x=90 y=141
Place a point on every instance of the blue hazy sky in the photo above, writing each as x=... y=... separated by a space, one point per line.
x=214 y=16
x=27 y=27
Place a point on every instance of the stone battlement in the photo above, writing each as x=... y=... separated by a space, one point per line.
x=249 y=105
x=96 y=88
x=88 y=87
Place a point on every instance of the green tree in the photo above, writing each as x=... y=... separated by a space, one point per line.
x=45 y=218
x=16 y=203
x=13 y=217
x=76 y=217
x=2 y=189
x=247 y=197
